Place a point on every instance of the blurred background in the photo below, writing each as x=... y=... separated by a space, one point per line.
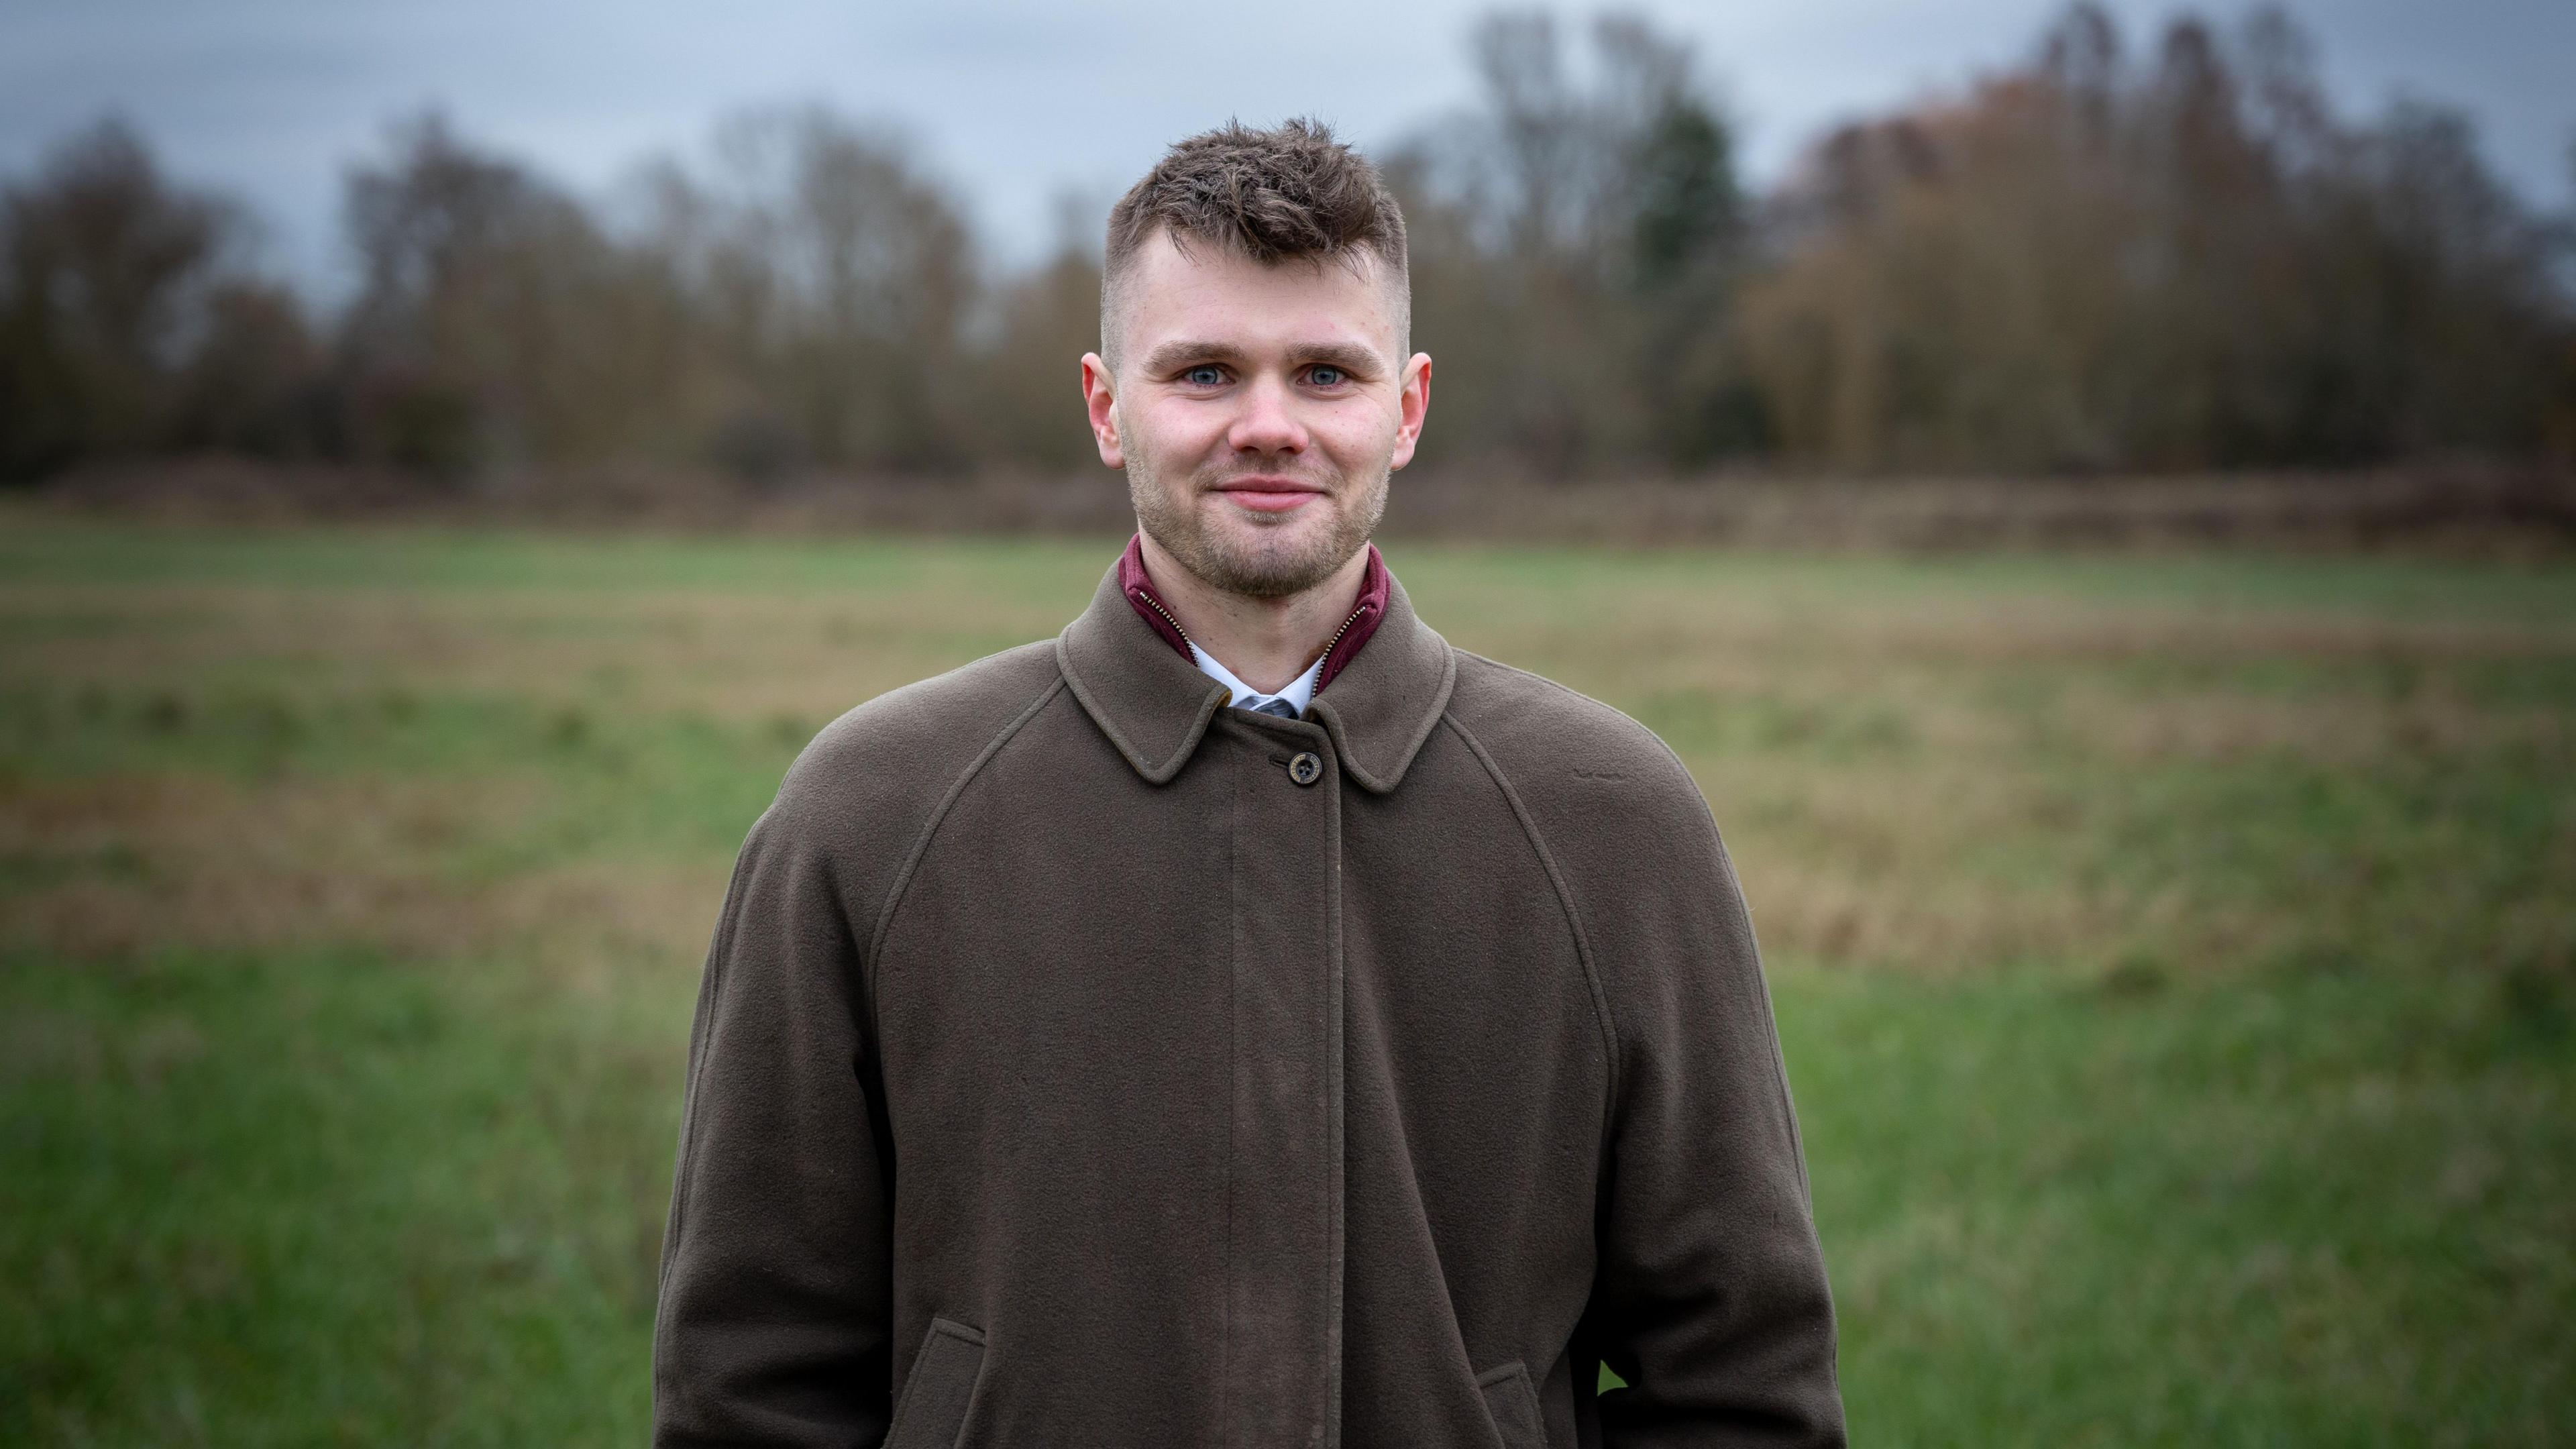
x=2088 y=492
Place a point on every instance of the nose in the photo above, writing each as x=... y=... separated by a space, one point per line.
x=1266 y=424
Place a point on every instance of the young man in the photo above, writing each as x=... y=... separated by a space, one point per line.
x=1242 y=1019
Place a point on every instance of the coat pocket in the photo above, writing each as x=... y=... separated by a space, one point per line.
x=1513 y=1405
x=932 y=1412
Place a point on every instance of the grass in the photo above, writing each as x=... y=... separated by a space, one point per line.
x=2175 y=957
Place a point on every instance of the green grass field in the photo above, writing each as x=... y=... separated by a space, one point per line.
x=2175 y=958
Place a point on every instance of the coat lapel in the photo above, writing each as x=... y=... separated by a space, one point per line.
x=1383 y=704
x=1153 y=703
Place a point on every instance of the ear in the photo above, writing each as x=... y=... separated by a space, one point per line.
x=1101 y=403
x=1412 y=404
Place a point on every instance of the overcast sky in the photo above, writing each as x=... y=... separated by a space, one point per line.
x=1014 y=101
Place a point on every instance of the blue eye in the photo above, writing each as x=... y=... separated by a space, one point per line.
x=1204 y=376
x=1325 y=375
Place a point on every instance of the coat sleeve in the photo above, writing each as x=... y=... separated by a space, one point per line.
x=1709 y=1296
x=773 y=1324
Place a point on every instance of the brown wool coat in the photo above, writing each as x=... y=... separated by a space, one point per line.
x=1067 y=1073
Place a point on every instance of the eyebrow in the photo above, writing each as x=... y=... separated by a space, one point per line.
x=1348 y=356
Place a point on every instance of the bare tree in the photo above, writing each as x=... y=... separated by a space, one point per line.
x=106 y=277
x=834 y=279
x=497 y=322
x=1577 y=237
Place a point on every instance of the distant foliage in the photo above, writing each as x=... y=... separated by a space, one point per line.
x=127 y=322
x=2087 y=261
x=825 y=285
x=1577 y=243
x=2093 y=261
x=495 y=322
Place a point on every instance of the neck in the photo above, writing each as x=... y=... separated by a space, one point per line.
x=1265 y=642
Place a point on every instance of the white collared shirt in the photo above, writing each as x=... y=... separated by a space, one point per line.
x=1298 y=692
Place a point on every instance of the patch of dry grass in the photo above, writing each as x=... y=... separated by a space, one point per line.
x=121 y=867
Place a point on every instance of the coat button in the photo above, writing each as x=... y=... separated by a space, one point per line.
x=1305 y=769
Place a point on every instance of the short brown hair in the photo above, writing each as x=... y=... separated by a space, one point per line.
x=1292 y=192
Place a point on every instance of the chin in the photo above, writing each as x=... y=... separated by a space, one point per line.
x=1269 y=557
x=1315 y=518
x=1274 y=539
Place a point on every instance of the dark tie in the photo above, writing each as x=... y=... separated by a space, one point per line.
x=1279 y=707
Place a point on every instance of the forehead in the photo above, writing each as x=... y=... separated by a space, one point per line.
x=1213 y=294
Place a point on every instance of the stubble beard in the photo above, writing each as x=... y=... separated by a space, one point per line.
x=1282 y=559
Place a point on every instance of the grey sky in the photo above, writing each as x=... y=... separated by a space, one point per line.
x=1015 y=101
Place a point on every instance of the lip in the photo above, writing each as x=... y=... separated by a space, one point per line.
x=1269 y=495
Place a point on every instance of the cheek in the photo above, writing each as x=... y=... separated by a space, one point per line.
x=1174 y=428
x=1356 y=435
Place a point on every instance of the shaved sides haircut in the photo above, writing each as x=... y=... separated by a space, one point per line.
x=1288 y=194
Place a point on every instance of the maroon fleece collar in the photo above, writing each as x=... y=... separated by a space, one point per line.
x=1139 y=589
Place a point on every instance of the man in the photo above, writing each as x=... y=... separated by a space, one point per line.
x=1242 y=1019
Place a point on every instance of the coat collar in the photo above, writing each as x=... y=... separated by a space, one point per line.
x=1365 y=616
x=1155 y=705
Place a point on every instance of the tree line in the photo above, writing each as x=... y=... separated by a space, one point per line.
x=2091 y=260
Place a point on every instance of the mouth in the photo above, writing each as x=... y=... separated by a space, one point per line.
x=1269 y=493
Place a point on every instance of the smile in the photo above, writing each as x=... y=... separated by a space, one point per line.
x=1270 y=495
